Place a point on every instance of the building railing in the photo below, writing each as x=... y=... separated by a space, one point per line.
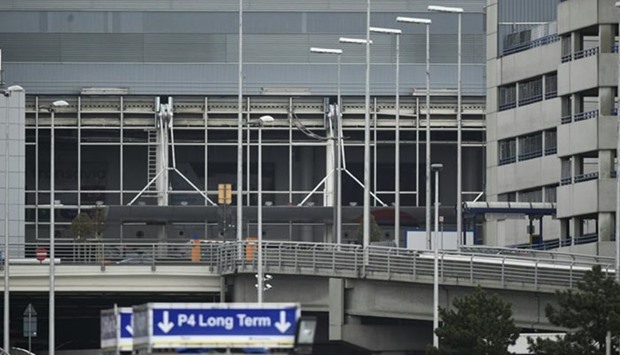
x=585 y=53
x=566 y=119
x=531 y=155
x=507 y=106
x=586 y=177
x=558 y=243
x=531 y=44
x=579 y=54
x=530 y=100
x=585 y=115
x=567 y=57
x=566 y=180
x=508 y=160
x=551 y=150
x=471 y=266
x=581 y=116
x=551 y=94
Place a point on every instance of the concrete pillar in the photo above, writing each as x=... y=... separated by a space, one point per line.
x=336 y=308
x=576 y=104
x=606 y=38
x=577 y=165
x=605 y=163
x=606 y=100
x=517 y=94
x=576 y=227
x=565 y=229
x=605 y=226
x=576 y=40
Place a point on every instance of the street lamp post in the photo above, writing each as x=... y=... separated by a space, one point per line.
x=426 y=22
x=240 y=132
x=5 y=254
x=52 y=256
x=459 y=129
x=618 y=174
x=366 y=216
x=338 y=195
x=436 y=168
x=259 y=270
x=617 y=271
x=397 y=33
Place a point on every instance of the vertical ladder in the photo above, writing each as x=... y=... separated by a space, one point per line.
x=152 y=160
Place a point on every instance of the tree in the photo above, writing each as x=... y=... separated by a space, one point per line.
x=588 y=314
x=375 y=230
x=81 y=227
x=98 y=221
x=479 y=324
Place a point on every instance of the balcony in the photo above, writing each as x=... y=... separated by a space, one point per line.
x=589 y=194
x=585 y=70
x=530 y=118
x=586 y=132
x=577 y=14
x=531 y=63
x=526 y=174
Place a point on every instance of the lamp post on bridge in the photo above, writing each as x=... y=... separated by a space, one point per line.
x=259 y=270
x=436 y=168
x=397 y=33
x=427 y=23
x=459 y=143
x=52 y=256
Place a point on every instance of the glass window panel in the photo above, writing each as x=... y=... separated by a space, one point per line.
x=100 y=168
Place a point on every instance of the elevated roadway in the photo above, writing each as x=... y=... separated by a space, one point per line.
x=377 y=298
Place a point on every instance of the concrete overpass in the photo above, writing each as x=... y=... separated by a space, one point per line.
x=383 y=305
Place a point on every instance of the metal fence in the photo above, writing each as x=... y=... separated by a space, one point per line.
x=503 y=267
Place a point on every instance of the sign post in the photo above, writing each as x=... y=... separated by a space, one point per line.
x=30 y=324
x=116 y=330
x=215 y=325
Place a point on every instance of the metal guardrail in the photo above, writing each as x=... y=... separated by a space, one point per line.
x=566 y=119
x=586 y=177
x=558 y=243
x=531 y=44
x=531 y=155
x=585 y=115
x=106 y=253
x=585 y=53
x=467 y=267
x=473 y=265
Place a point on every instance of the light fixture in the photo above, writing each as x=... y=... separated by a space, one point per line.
x=423 y=21
x=325 y=50
x=353 y=40
x=391 y=31
x=444 y=9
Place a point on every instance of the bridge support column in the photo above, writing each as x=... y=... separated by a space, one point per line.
x=336 y=308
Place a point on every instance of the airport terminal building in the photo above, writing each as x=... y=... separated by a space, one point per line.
x=117 y=65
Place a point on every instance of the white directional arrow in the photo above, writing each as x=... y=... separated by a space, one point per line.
x=129 y=327
x=282 y=325
x=165 y=325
